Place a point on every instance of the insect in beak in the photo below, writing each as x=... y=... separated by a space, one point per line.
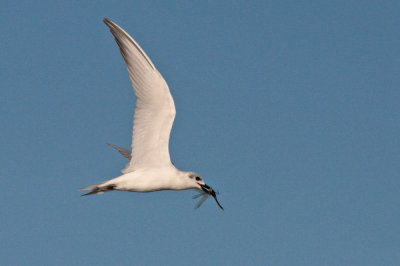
x=208 y=190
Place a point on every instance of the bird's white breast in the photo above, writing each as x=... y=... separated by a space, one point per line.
x=153 y=179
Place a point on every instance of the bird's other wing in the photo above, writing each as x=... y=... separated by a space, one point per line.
x=124 y=152
x=155 y=108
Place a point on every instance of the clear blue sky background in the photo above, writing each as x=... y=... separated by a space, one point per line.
x=289 y=108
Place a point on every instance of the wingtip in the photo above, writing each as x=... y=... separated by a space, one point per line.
x=108 y=22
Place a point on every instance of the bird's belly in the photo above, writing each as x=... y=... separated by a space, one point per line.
x=143 y=182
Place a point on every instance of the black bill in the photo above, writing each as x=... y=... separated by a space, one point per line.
x=211 y=192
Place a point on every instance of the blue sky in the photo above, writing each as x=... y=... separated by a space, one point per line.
x=289 y=109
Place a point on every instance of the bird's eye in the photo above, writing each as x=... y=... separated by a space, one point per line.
x=198 y=178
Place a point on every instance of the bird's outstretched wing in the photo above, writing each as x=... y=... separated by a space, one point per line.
x=155 y=108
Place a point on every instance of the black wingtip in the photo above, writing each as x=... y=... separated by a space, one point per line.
x=109 y=23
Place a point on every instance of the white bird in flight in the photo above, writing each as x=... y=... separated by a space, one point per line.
x=150 y=167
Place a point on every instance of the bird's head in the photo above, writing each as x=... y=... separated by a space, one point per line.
x=199 y=184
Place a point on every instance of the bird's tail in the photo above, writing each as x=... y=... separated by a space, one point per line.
x=98 y=189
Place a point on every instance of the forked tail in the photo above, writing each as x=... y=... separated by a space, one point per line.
x=98 y=189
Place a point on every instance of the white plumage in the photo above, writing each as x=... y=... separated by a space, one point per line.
x=155 y=108
x=150 y=167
